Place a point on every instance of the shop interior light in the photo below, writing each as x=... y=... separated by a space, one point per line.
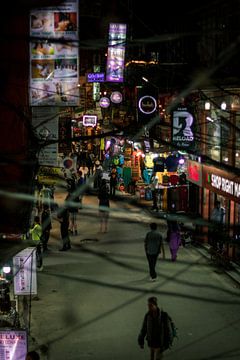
x=6 y=269
x=223 y=105
x=181 y=161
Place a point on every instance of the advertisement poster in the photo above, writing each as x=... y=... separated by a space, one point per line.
x=25 y=277
x=54 y=55
x=45 y=124
x=13 y=344
x=182 y=128
x=116 y=52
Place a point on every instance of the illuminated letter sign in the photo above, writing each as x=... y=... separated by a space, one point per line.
x=96 y=77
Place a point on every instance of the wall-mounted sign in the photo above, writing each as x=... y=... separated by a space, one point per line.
x=89 y=120
x=104 y=102
x=222 y=182
x=116 y=97
x=95 y=77
x=147 y=104
x=182 y=128
x=24 y=270
x=116 y=52
x=194 y=172
x=13 y=344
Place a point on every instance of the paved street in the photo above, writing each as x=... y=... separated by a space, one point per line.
x=92 y=298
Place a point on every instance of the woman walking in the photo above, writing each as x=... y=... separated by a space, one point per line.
x=174 y=238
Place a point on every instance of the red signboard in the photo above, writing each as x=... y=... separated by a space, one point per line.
x=194 y=172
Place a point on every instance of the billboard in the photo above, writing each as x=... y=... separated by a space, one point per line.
x=116 y=52
x=24 y=271
x=13 y=344
x=54 y=55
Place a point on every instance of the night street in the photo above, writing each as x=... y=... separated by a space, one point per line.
x=94 y=296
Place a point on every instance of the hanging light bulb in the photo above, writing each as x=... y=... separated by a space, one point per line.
x=223 y=105
x=207 y=105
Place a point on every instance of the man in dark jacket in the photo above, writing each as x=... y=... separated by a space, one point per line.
x=153 y=245
x=152 y=330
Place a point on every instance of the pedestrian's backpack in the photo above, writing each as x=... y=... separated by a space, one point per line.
x=169 y=331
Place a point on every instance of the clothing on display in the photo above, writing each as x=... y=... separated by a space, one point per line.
x=171 y=163
x=158 y=164
x=174 y=179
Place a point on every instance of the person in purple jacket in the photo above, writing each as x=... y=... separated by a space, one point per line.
x=174 y=238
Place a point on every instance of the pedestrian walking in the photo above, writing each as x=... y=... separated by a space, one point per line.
x=98 y=172
x=73 y=205
x=36 y=235
x=104 y=204
x=113 y=181
x=216 y=228
x=154 y=189
x=153 y=245
x=174 y=238
x=153 y=328
x=46 y=223
x=63 y=217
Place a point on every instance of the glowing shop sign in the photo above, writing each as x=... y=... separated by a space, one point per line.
x=89 y=120
x=147 y=104
x=228 y=186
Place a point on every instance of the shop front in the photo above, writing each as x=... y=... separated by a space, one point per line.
x=224 y=187
x=217 y=186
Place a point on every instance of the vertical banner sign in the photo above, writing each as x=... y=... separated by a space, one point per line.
x=182 y=128
x=24 y=267
x=116 y=52
x=45 y=124
x=65 y=135
x=13 y=344
x=54 y=59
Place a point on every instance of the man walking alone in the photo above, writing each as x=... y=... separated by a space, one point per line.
x=153 y=245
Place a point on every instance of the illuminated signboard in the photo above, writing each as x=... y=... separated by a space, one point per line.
x=221 y=182
x=89 y=120
x=182 y=128
x=24 y=268
x=116 y=97
x=147 y=104
x=116 y=52
x=54 y=66
x=13 y=344
x=104 y=102
x=96 y=77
